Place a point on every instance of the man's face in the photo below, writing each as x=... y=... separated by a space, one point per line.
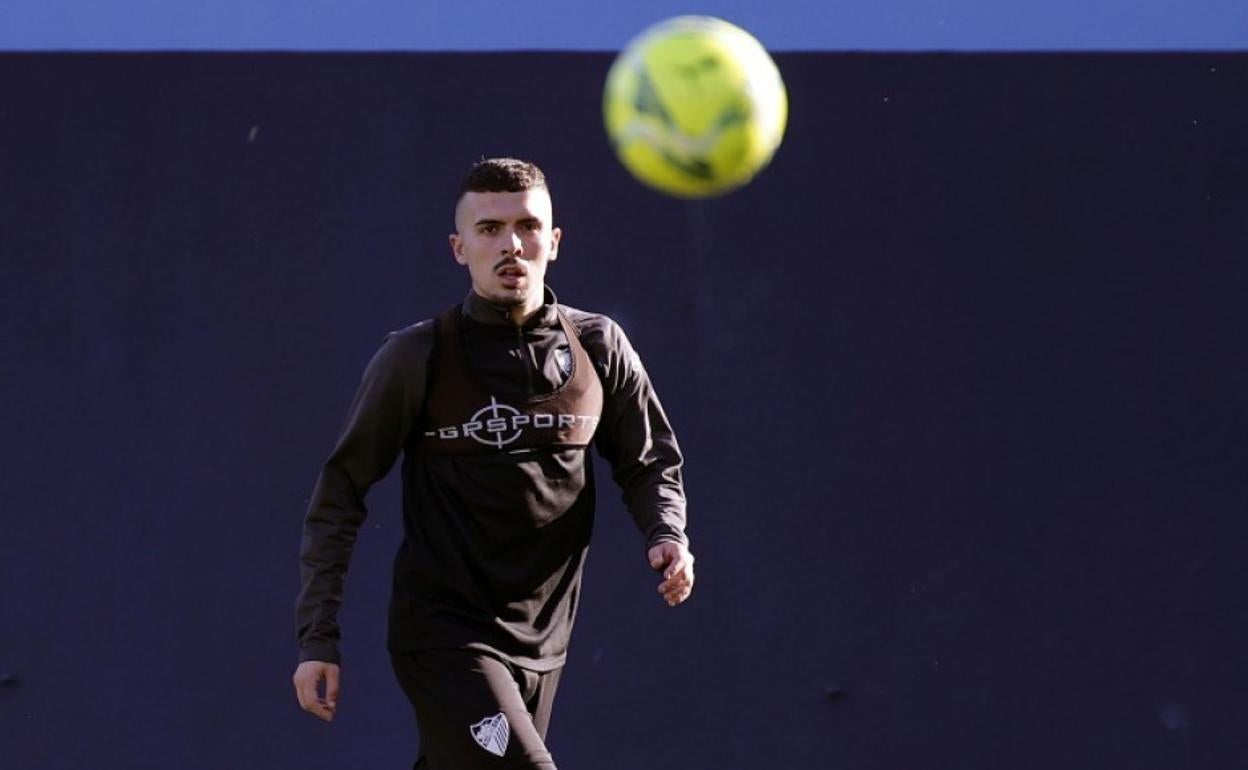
x=506 y=239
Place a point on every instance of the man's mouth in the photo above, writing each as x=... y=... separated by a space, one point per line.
x=511 y=275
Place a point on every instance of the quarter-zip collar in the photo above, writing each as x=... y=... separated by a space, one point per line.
x=483 y=311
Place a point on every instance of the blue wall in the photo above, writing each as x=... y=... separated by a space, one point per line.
x=845 y=25
x=961 y=380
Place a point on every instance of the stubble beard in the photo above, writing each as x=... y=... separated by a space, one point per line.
x=510 y=298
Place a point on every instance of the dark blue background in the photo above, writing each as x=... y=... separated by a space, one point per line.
x=961 y=381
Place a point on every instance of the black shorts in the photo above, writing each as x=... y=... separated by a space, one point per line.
x=475 y=711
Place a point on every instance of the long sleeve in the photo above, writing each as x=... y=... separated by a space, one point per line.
x=381 y=416
x=637 y=439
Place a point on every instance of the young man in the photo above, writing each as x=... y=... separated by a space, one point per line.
x=494 y=405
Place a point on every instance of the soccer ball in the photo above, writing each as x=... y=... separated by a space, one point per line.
x=694 y=106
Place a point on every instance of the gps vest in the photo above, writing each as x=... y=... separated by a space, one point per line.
x=462 y=417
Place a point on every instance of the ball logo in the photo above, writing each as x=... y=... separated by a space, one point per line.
x=498 y=425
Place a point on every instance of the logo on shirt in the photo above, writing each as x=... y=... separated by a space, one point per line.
x=492 y=734
x=498 y=425
x=563 y=357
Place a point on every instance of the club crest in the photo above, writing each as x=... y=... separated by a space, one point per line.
x=492 y=734
x=563 y=357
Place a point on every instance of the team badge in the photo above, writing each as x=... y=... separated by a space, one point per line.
x=563 y=357
x=492 y=734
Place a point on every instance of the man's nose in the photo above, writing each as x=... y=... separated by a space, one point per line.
x=513 y=244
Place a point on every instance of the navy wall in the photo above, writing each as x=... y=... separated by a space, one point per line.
x=961 y=381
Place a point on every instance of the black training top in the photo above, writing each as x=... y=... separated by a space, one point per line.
x=494 y=542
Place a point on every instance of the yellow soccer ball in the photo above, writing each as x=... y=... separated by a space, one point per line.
x=695 y=107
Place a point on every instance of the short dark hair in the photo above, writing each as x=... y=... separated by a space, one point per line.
x=502 y=175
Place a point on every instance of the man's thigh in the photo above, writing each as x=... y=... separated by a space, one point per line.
x=471 y=712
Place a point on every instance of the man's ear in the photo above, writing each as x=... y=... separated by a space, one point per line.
x=457 y=248
x=556 y=235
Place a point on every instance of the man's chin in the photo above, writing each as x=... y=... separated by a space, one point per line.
x=508 y=297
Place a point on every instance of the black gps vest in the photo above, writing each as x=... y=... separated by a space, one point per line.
x=462 y=417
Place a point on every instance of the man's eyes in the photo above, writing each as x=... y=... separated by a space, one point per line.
x=532 y=227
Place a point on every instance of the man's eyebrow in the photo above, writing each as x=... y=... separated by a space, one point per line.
x=520 y=220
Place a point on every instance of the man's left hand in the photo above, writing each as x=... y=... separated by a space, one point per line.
x=675 y=563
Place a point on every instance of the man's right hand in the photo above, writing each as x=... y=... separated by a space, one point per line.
x=308 y=678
